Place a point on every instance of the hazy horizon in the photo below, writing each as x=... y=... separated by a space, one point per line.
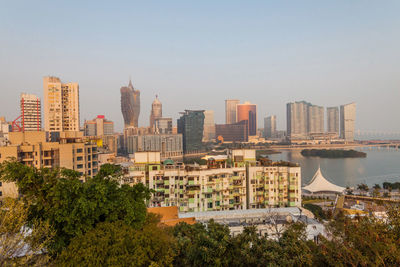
x=196 y=55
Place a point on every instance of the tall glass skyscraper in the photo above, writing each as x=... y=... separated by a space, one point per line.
x=191 y=126
x=248 y=111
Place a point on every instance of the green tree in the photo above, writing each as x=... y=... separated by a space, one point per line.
x=71 y=207
x=364 y=241
x=118 y=244
x=200 y=245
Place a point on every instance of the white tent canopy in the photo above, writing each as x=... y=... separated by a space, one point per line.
x=319 y=184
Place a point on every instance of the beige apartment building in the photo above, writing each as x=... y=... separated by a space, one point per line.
x=61 y=105
x=233 y=182
x=31 y=148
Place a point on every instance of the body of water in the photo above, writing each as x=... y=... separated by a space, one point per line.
x=380 y=165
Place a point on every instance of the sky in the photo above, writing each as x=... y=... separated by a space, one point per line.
x=196 y=54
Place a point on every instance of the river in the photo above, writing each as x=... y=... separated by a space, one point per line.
x=380 y=165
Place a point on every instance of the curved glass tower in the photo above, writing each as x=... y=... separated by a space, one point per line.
x=130 y=105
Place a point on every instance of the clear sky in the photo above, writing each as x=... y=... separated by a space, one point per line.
x=196 y=54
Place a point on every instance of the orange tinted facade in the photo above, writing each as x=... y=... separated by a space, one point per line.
x=169 y=216
x=248 y=112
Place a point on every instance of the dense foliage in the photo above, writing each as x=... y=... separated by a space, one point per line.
x=316 y=210
x=101 y=223
x=333 y=153
x=395 y=185
x=72 y=207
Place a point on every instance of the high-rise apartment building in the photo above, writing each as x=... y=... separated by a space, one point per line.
x=163 y=126
x=61 y=105
x=270 y=126
x=297 y=119
x=209 y=126
x=156 y=111
x=315 y=119
x=130 y=105
x=31 y=119
x=332 y=114
x=347 y=120
x=248 y=111
x=238 y=183
x=191 y=126
x=230 y=110
x=99 y=126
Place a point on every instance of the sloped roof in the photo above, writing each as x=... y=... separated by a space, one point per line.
x=319 y=184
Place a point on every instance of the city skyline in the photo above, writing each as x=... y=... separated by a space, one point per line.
x=354 y=60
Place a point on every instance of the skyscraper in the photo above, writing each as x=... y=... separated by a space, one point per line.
x=270 y=126
x=230 y=111
x=209 y=126
x=191 y=126
x=347 y=120
x=297 y=119
x=248 y=111
x=332 y=114
x=156 y=111
x=315 y=119
x=61 y=105
x=31 y=119
x=130 y=105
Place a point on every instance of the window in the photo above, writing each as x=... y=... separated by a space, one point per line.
x=1 y=184
x=210 y=205
x=79 y=166
x=79 y=158
x=79 y=150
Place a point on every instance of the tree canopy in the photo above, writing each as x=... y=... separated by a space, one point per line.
x=71 y=207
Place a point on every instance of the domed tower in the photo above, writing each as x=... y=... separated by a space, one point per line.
x=156 y=111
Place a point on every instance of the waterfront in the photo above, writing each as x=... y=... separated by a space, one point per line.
x=380 y=165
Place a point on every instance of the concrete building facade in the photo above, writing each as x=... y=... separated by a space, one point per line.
x=209 y=126
x=31 y=118
x=31 y=149
x=332 y=114
x=169 y=145
x=61 y=105
x=347 y=121
x=270 y=126
x=297 y=120
x=163 y=126
x=315 y=119
x=230 y=110
x=156 y=111
x=99 y=126
x=219 y=186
